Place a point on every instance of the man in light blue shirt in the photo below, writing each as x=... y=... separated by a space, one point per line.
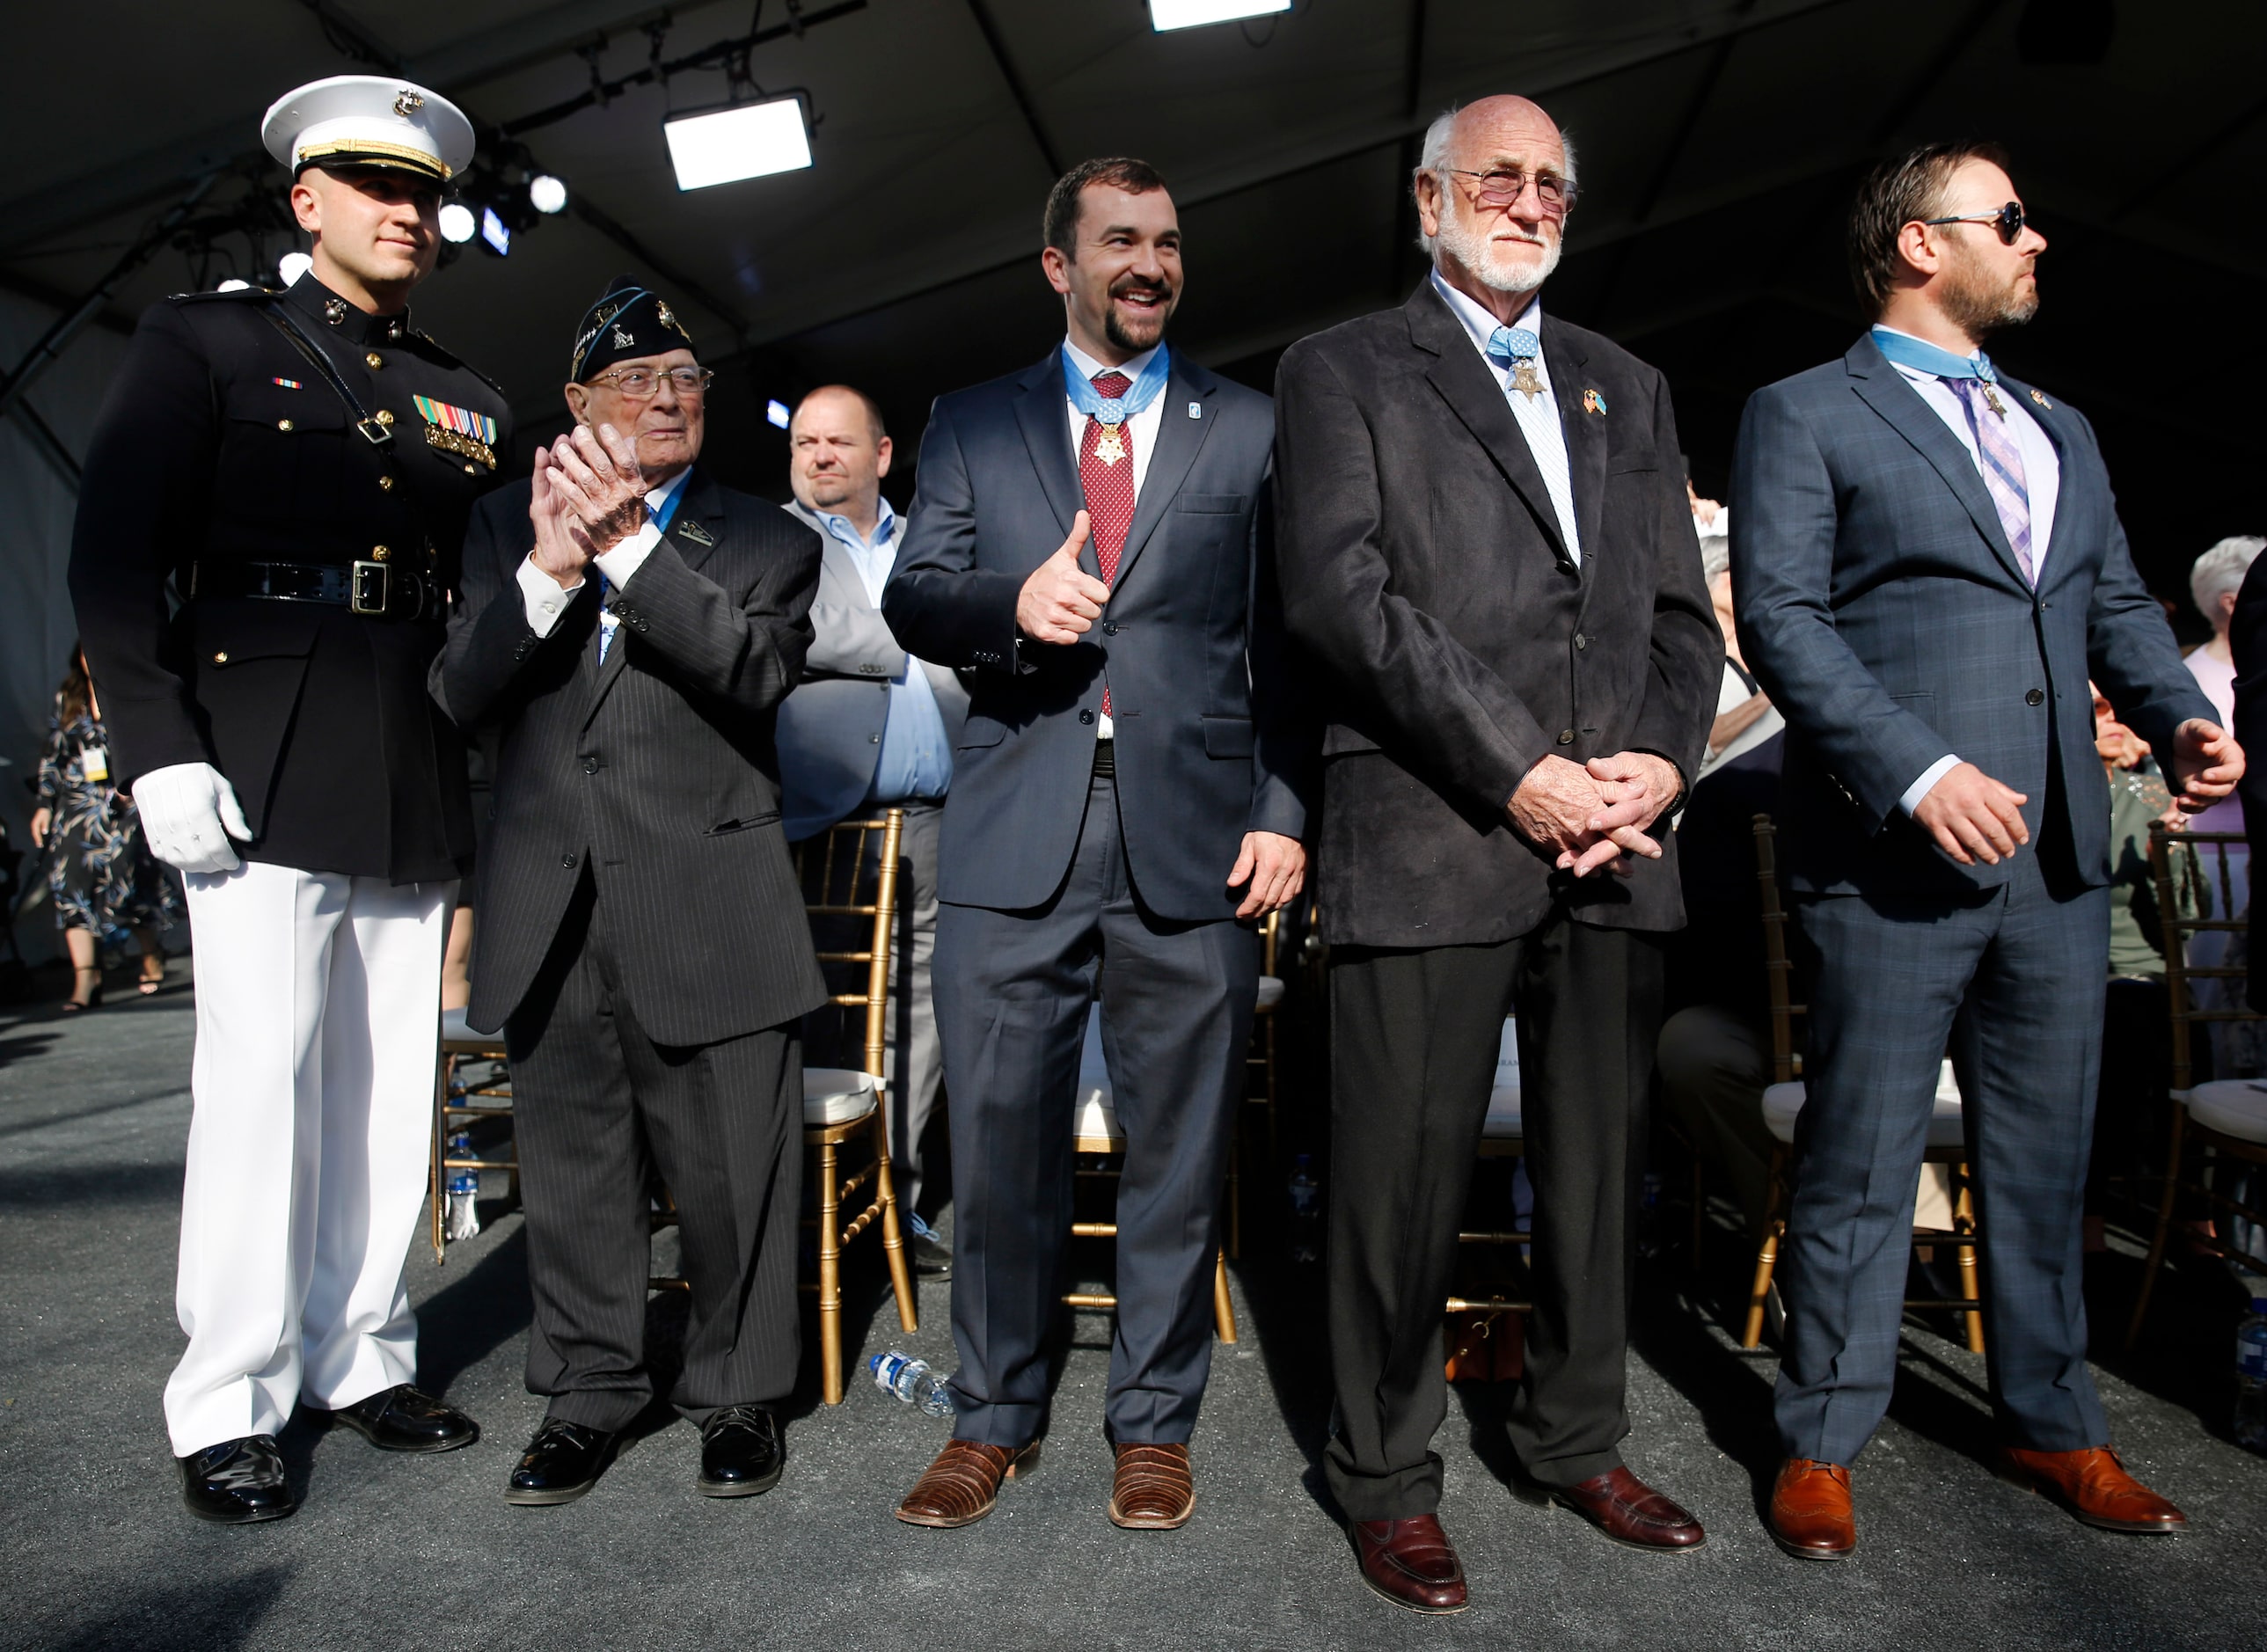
x=870 y=728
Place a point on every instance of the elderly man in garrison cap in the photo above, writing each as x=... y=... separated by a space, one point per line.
x=626 y=630
x=274 y=501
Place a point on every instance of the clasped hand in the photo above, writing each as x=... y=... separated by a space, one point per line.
x=588 y=497
x=1594 y=813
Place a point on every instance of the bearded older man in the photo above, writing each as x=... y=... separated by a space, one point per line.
x=1485 y=548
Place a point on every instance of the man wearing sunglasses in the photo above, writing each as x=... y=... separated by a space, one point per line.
x=1487 y=549
x=1926 y=560
x=626 y=632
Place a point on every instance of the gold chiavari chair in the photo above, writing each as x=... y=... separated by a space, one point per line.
x=2200 y=894
x=455 y=1102
x=1783 y=1104
x=850 y=871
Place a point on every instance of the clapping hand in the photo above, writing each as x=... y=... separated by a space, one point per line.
x=595 y=473
x=562 y=550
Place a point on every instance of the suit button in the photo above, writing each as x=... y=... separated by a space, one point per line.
x=873 y=739
x=2036 y=697
x=1581 y=641
x=1566 y=737
x=1110 y=627
x=567 y=861
x=589 y=765
x=1086 y=717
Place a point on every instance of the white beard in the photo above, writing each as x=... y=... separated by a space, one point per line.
x=1472 y=248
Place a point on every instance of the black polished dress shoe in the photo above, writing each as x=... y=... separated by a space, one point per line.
x=406 y=1419
x=932 y=1256
x=237 y=1482
x=561 y=1461
x=742 y=1452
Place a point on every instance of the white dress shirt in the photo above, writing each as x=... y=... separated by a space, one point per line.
x=1538 y=416
x=545 y=598
x=1143 y=428
x=2041 y=486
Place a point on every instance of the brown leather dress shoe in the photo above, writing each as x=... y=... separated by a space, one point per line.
x=1810 y=1514
x=2092 y=1485
x=1411 y=1563
x=960 y=1487
x=1153 y=1491
x=1632 y=1513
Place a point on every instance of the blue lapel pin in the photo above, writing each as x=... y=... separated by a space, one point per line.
x=1196 y=409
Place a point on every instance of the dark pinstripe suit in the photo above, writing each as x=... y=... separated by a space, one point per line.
x=641 y=940
x=1882 y=607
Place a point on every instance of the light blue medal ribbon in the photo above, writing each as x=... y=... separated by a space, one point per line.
x=1116 y=410
x=1905 y=350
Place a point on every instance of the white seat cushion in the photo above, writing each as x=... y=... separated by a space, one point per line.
x=1782 y=1103
x=459 y=1039
x=1271 y=991
x=836 y=1095
x=2233 y=1106
x=1094 y=1117
x=1503 y=1121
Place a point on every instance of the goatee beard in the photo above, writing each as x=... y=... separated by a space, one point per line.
x=1973 y=306
x=1114 y=329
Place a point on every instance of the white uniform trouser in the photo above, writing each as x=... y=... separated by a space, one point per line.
x=318 y=1029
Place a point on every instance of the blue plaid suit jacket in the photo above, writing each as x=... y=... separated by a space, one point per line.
x=1881 y=608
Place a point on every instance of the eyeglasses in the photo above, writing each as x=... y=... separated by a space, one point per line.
x=638 y=383
x=1502 y=187
x=2008 y=220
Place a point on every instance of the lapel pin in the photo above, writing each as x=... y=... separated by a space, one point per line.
x=697 y=534
x=1593 y=402
x=2041 y=399
x=1196 y=409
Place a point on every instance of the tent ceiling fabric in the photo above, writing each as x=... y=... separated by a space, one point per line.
x=1718 y=141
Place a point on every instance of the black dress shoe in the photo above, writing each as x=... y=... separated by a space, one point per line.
x=406 y=1419
x=237 y=1482
x=561 y=1461
x=742 y=1452
x=932 y=1256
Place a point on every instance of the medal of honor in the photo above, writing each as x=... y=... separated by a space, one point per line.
x=1524 y=381
x=1111 y=447
x=1991 y=399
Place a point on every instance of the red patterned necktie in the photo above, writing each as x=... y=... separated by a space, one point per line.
x=1105 y=474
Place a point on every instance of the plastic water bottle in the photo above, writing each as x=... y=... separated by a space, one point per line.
x=463 y=1217
x=2251 y=1378
x=912 y=1380
x=1306 y=1211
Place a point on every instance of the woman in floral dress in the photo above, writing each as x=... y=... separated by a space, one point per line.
x=102 y=879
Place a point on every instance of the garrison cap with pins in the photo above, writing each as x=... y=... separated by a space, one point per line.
x=629 y=320
x=369 y=121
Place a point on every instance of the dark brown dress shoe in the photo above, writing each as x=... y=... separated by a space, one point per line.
x=1810 y=1515
x=1154 y=1490
x=2092 y=1485
x=1411 y=1563
x=960 y=1487
x=1632 y=1513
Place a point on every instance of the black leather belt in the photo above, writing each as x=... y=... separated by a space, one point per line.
x=377 y=590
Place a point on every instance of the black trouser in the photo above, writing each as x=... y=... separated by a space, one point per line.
x=595 y=1104
x=1413 y=1043
x=1012 y=993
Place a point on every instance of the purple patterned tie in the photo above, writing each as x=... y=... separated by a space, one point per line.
x=2003 y=470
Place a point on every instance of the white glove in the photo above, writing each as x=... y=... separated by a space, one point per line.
x=190 y=812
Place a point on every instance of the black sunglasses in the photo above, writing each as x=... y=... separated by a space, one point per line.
x=2008 y=220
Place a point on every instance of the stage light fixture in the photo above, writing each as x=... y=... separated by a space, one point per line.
x=457 y=222
x=746 y=140
x=495 y=232
x=234 y=284
x=777 y=412
x=546 y=193
x=291 y=266
x=1165 y=14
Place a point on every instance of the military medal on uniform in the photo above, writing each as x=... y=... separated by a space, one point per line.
x=458 y=430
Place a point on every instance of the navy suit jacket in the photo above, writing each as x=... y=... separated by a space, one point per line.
x=1882 y=609
x=1211 y=743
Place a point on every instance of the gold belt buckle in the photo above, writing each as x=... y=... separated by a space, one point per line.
x=369 y=577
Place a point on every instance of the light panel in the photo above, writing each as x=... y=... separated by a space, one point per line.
x=1189 y=14
x=748 y=140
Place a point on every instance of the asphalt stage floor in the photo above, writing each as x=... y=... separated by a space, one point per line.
x=423 y=1553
